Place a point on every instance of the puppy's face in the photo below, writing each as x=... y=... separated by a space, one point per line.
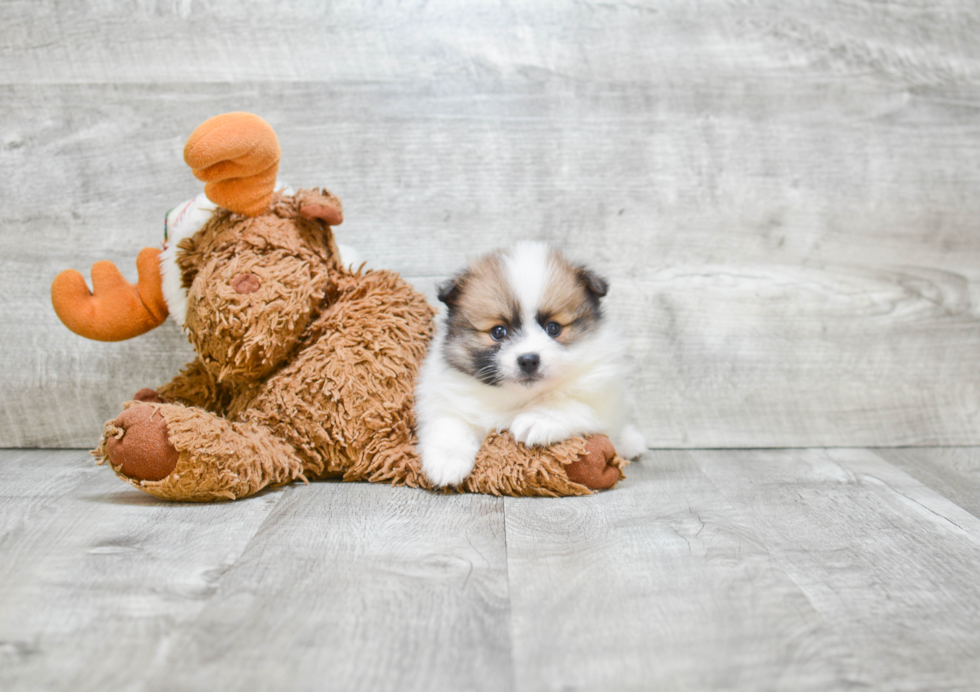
x=516 y=316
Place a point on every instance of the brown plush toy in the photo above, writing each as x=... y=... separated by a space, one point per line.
x=305 y=367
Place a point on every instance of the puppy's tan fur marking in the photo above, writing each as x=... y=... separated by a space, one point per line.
x=483 y=300
x=486 y=297
x=567 y=300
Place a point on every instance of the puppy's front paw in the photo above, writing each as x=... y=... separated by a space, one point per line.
x=631 y=443
x=448 y=451
x=536 y=430
x=447 y=466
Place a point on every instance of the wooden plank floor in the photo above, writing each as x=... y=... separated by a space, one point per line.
x=802 y=569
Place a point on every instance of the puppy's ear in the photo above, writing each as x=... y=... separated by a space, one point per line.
x=449 y=291
x=593 y=283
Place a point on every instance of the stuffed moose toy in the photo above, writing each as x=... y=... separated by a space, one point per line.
x=305 y=366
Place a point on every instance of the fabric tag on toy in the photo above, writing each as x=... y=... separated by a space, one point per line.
x=186 y=219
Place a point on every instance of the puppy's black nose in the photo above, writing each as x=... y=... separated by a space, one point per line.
x=528 y=362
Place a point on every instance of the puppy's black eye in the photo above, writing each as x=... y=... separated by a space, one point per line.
x=498 y=332
x=553 y=329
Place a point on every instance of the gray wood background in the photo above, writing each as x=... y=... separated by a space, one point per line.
x=783 y=193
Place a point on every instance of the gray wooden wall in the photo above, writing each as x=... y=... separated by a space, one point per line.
x=785 y=194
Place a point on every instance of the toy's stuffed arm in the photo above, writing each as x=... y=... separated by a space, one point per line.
x=194 y=387
x=115 y=310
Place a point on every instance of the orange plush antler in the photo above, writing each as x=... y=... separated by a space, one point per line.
x=116 y=310
x=237 y=155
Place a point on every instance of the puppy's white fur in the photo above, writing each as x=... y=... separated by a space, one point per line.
x=579 y=390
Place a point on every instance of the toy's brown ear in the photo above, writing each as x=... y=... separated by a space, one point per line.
x=237 y=155
x=322 y=205
x=115 y=310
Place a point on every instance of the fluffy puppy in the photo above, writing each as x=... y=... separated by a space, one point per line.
x=523 y=347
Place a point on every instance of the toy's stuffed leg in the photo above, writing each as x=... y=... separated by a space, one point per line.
x=574 y=467
x=345 y=403
x=183 y=453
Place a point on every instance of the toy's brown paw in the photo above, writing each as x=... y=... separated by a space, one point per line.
x=594 y=470
x=143 y=451
x=147 y=396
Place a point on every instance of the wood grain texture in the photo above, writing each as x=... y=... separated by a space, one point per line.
x=891 y=563
x=94 y=584
x=783 y=194
x=391 y=40
x=34 y=481
x=741 y=570
x=660 y=585
x=951 y=472
x=357 y=587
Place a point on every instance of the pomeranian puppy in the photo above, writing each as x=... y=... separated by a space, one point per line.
x=523 y=347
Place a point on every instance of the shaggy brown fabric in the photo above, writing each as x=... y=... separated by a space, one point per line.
x=506 y=467
x=243 y=337
x=218 y=459
x=309 y=375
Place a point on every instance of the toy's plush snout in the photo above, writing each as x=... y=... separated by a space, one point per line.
x=253 y=287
